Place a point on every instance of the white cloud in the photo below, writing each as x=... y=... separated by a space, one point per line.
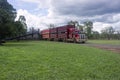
x=98 y=26
x=41 y=3
x=43 y=22
x=38 y=21
x=60 y=12
x=32 y=1
x=31 y=20
x=85 y=7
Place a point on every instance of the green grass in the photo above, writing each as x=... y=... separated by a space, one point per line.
x=115 y=42
x=42 y=60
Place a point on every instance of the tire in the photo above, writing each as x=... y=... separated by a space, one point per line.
x=83 y=41
x=64 y=40
x=75 y=41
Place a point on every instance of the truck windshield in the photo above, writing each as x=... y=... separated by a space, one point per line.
x=79 y=32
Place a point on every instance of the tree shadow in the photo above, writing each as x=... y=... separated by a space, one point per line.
x=16 y=45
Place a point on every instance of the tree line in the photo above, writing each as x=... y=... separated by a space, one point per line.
x=8 y=26
x=108 y=33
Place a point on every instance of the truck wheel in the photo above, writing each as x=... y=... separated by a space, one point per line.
x=64 y=40
x=83 y=42
x=75 y=41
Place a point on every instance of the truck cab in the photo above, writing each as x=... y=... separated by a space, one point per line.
x=76 y=35
x=80 y=36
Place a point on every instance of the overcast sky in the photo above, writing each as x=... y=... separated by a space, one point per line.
x=41 y=13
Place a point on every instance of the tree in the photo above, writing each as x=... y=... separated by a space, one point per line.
x=108 y=32
x=81 y=27
x=19 y=28
x=22 y=19
x=88 y=25
x=51 y=25
x=118 y=34
x=7 y=12
x=7 y=17
x=76 y=24
x=95 y=35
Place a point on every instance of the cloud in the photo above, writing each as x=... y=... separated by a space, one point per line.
x=39 y=21
x=42 y=3
x=31 y=1
x=31 y=20
x=103 y=13
x=98 y=26
x=42 y=22
x=85 y=7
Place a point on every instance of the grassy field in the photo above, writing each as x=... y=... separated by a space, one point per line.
x=42 y=60
x=115 y=42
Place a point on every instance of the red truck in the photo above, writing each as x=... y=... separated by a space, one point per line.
x=45 y=34
x=64 y=33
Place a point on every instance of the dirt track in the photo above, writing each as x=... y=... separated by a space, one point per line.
x=114 y=48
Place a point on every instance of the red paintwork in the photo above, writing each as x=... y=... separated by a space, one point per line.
x=67 y=32
x=45 y=34
x=53 y=34
x=64 y=31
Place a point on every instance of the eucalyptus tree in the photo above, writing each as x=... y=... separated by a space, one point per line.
x=108 y=32
x=7 y=17
x=88 y=26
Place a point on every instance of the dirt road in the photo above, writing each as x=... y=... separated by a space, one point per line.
x=114 y=48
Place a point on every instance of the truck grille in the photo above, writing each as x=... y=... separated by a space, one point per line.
x=82 y=36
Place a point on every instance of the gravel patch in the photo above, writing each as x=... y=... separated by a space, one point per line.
x=113 y=48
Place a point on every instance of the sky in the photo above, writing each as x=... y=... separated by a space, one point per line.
x=41 y=13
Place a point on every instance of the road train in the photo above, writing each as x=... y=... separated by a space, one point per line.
x=64 y=33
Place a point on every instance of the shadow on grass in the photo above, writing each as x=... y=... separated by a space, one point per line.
x=16 y=45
